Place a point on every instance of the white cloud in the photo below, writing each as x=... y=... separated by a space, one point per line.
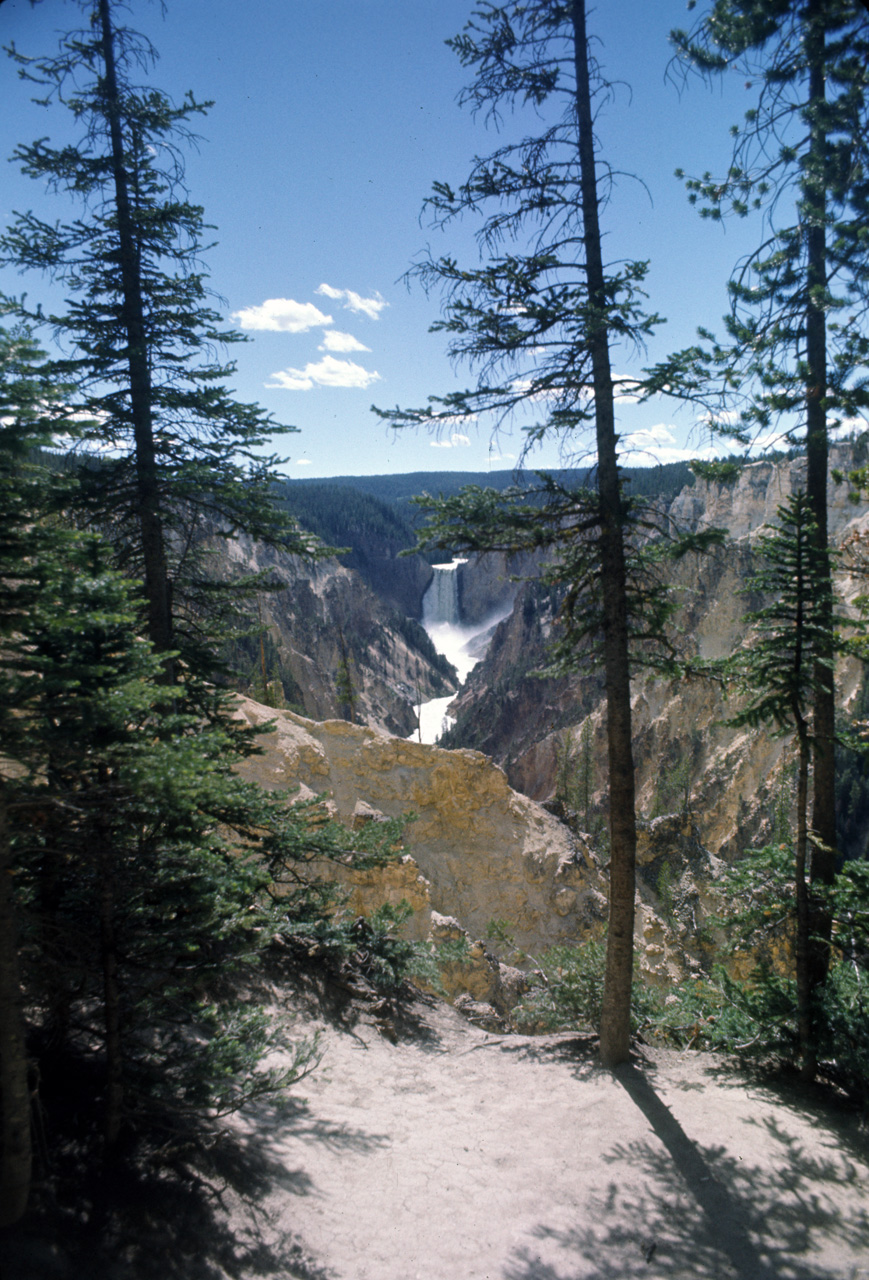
x=335 y=340
x=290 y=380
x=327 y=372
x=502 y=457
x=282 y=315
x=627 y=390
x=657 y=445
x=650 y=437
x=456 y=441
x=370 y=307
x=846 y=427
x=303 y=462
x=720 y=417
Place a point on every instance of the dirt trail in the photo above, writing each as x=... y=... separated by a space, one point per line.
x=458 y=1155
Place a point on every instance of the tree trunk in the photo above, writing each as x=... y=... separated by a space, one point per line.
x=615 y=1029
x=16 y=1158
x=823 y=861
x=808 y=1064
x=113 y=1108
x=114 y=1096
x=133 y=312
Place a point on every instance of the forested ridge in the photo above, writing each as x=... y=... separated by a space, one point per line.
x=663 y=481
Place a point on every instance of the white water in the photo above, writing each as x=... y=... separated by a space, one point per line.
x=441 y=601
x=463 y=645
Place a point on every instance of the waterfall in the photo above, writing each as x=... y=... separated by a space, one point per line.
x=441 y=600
x=463 y=645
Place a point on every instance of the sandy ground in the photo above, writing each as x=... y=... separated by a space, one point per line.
x=458 y=1155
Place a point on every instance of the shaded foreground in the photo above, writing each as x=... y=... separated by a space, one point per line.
x=426 y=1148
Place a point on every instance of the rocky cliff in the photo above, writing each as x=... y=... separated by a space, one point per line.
x=483 y=846
x=478 y=851
x=335 y=648
x=733 y=782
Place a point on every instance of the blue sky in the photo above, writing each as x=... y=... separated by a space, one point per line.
x=331 y=120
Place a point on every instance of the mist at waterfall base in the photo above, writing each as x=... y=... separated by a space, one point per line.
x=463 y=645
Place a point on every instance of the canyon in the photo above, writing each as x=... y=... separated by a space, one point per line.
x=496 y=832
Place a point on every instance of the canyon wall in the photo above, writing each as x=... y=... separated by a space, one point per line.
x=731 y=781
x=329 y=633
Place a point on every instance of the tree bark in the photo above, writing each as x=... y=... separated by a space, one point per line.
x=615 y=1029
x=16 y=1159
x=113 y=1108
x=133 y=315
x=808 y=1064
x=823 y=860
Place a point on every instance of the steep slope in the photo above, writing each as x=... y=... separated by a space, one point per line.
x=333 y=648
x=479 y=851
x=734 y=782
x=375 y=533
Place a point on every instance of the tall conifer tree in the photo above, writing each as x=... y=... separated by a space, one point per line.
x=798 y=331
x=181 y=457
x=778 y=671
x=26 y=548
x=538 y=319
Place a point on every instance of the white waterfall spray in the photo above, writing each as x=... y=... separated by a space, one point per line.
x=441 y=600
x=463 y=645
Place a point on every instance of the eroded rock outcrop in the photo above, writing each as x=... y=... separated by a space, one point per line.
x=485 y=851
x=478 y=852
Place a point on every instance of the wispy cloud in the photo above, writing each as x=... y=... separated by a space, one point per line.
x=327 y=372
x=658 y=444
x=282 y=315
x=847 y=426
x=719 y=418
x=627 y=389
x=335 y=340
x=456 y=441
x=370 y=307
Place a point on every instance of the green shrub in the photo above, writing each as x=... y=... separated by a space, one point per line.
x=567 y=991
x=755 y=1015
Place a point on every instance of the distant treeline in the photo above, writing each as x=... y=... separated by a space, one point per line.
x=399 y=490
x=358 y=510
x=343 y=513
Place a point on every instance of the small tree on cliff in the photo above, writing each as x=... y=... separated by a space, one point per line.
x=538 y=322
x=778 y=670
x=179 y=455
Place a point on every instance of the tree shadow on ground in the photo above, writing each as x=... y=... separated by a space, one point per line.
x=344 y=1000
x=199 y=1213
x=296 y=1117
x=578 y=1052
x=845 y=1117
x=682 y=1209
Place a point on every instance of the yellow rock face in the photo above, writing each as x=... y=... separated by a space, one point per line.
x=484 y=851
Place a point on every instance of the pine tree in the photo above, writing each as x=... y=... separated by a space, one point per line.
x=778 y=670
x=797 y=342
x=538 y=319
x=180 y=458
x=27 y=546
x=141 y=877
x=145 y=881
